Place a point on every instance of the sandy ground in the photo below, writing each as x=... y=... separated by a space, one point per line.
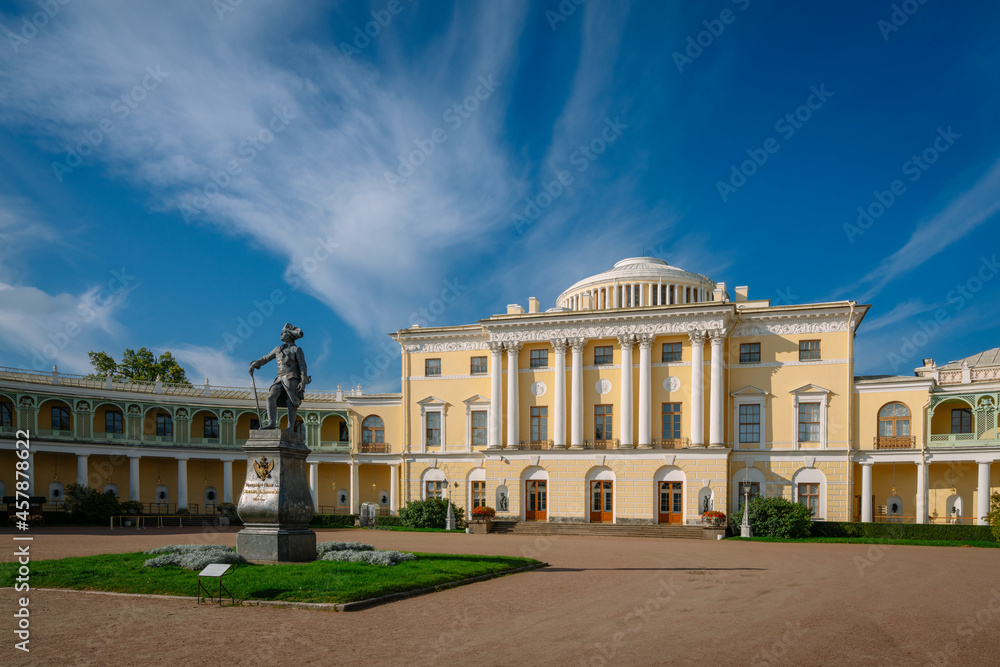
x=616 y=601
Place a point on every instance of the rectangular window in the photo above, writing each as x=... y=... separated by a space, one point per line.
x=60 y=418
x=479 y=427
x=6 y=414
x=433 y=428
x=478 y=365
x=808 y=350
x=808 y=422
x=809 y=496
x=211 y=427
x=602 y=422
x=432 y=367
x=165 y=425
x=671 y=421
x=435 y=490
x=744 y=488
x=961 y=420
x=671 y=352
x=539 y=424
x=603 y=355
x=478 y=494
x=113 y=422
x=539 y=358
x=749 y=353
x=750 y=423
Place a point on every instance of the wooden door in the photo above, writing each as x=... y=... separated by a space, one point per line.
x=671 y=502
x=601 y=502
x=535 y=501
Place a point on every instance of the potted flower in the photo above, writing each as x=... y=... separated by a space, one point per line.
x=482 y=519
x=713 y=519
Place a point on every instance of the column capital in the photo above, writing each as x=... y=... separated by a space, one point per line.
x=697 y=337
x=513 y=347
x=134 y=457
x=645 y=341
x=717 y=336
x=577 y=344
x=495 y=347
x=559 y=344
x=626 y=341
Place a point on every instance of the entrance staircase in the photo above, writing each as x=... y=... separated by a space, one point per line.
x=596 y=529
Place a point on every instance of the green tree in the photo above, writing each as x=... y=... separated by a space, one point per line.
x=139 y=366
x=430 y=513
x=994 y=515
x=775 y=517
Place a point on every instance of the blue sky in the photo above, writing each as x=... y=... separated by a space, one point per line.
x=191 y=175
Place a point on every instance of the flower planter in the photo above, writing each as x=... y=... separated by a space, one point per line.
x=713 y=520
x=480 y=526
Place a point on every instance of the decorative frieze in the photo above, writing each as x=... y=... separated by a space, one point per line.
x=545 y=333
x=800 y=324
x=446 y=346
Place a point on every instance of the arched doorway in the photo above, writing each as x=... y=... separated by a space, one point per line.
x=669 y=489
x=536 y=494
x=601 y=495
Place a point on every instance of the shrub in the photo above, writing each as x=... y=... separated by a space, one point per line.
x=326 y=547
x=227 y=510
x=89 y=506
x=370 y=557
x=775 y=517
x=430 y=513
x=994 y=516
x=334 y=520
x=193 y=556
x=386 y=521
x=131 y=507
x=904 y=531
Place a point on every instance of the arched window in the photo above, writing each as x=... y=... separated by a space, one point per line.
x=894 y=420
x=372 y=430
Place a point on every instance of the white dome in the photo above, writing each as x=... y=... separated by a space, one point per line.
x=638 y=282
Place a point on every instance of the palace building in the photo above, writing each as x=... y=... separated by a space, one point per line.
x=647 y=395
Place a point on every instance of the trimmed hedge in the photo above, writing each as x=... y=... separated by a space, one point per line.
x=903 y=531
x=389 y=521
x=342 y=520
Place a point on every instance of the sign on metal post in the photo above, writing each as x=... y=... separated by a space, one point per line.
x=215 y=571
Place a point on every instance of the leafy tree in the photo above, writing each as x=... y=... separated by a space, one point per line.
x=775 y=517
x=139 y=366
x=430 y=513
x=994 y=516
x=89 y=506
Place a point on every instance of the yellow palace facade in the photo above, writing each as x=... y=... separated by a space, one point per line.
x=647 y=395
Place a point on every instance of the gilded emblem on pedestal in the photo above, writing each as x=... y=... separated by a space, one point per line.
x=263 y=468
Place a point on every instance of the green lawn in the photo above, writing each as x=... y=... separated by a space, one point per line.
x=870 y=540
x=319 y=581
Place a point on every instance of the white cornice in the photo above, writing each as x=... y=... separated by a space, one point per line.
x=602 y=324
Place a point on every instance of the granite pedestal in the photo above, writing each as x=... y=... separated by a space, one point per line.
x=276 y=504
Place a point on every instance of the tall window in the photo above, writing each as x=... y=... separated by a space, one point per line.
x=809 y=496
x=743 y=488
x=6 y=414
x=750 y=423
x=372 y=429
x=435 y=490
x=602 y=422
x=113 y=421
x=671 y=352
x=165 y=425
x=479 y=427
x=539 y=423
x=60 y=418
x=961 y=420
x=211 y=427
x=894 y=419
x=478 y=494
x=808 y=422
x=603 y=355
x=433 y=428
x=808 y=349
x=749 y=353
x=432 y=367
x=538 y=359
x=671 y=421
x=478 y=365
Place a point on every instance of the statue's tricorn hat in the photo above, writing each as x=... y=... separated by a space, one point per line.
x=294 y=331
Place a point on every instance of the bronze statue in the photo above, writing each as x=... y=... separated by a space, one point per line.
x=289 y=386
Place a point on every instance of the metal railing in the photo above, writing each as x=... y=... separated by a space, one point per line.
x=961 y=440
x=376 y=448
x=895 y=441
x=547 y=444
x=600 y=444
x=671 y=443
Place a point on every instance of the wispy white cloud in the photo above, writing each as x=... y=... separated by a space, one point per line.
x=202 y=362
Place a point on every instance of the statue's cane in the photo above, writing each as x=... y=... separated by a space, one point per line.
x=256 y=400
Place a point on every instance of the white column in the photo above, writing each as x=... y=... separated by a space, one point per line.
x=354 y=487
x=921 y=492
x=645 y=368
x=866 y=492
x=715 y=435
x=182 y=484
x=227 y=481
x=81 y=469
x=496 y=397
x=983 y=495
x=314 y=483
x=133 y=478
x=513 y=427
x=697 y=388
x=614 y=295
x=626 y=343
x=393 y=488
x=576 y=413
x=559 y=395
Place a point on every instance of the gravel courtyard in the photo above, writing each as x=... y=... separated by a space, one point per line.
x=615 y=601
